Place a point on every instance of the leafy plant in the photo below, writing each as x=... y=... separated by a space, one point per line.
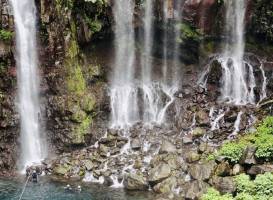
x=264 y=185
x=189 y=33
x=262 y=140
x=232 y=151
x=213 y=194
x=244 y=184
x=5 y=35
x=259 y=189
x=264 y=144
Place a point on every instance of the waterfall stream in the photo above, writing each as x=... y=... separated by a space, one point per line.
x=234 y=84
x=145 y=98
x=123 y=92
x=238 y=79
x=28 y=82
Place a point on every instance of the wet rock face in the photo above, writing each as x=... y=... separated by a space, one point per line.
x=201 y=13
x=73 y=88
x=9 y=119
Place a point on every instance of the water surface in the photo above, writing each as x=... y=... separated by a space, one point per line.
x=48 y=189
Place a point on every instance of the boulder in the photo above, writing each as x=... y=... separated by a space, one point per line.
x=167 y=147
x=165 y=186
x=135 y=182
x=223 y=169
x=187 y=139
x=197 y=132
x=88 y=165
x=260 y=169
x=135 y=144
x=202 y=171
x=194 y=190
x=192 y=156
x=223 y=184
x=237 y=169
x=249 y=156
x=159 y=173
x=61 y=170
x=202 y=118
x=103 y=150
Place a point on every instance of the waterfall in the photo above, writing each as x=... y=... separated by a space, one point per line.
x=145 y=98
x=28 y=82
x=123 y=92
x=238 y=79
x=234 y=84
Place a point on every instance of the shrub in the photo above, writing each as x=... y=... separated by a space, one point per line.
x=259 y=189
x=264 y=185
x=213 y=194
x=189 y=33
x=244 y=184
x=245 y=196
x=262 y=139
x=264 y=144
x=232 y=151
x=5 y=35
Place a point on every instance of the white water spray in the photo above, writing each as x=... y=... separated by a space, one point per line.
x=236 y=125
x=123 y=93
x=28 y=82
x=234 y=85
x=216 y=119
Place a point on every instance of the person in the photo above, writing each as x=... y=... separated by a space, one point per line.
x=34 y=176
x=79 y=189
x=68 y=187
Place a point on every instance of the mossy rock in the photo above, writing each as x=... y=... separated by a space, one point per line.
x=62 y=169
x=78 y=114
x=79 y=132
x=88 y=102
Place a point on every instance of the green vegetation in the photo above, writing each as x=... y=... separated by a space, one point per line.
x=233 y=150
x=262 y=140
x=259 y=189
x=81 y=130
x=94 y=25
x=189 y=33
x=3 y=67
x=75 y=81
x=5 y=35
x=213 y=194
x=67 y=4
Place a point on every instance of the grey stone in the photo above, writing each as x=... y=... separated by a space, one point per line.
x=167 y=147
x=202 y=171
x=135 y=182
x=159 y=173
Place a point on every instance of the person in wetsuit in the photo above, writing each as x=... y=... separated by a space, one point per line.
x=34 y=176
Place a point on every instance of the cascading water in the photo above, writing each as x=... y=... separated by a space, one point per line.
x=28 y=82
x=144 y=98
x=155 y=107
x=238 y=79
x=123 y=92
x=138 y=95
x=234 y=84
